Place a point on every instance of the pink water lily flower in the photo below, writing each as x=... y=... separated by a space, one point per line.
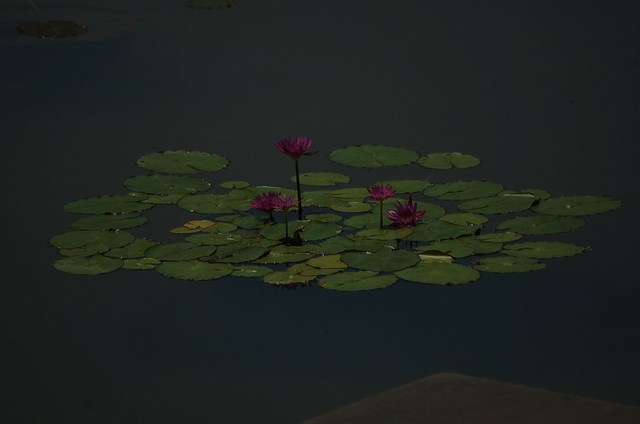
x=295 y=146
x=380 y=192
x=265 y=202
x=285 y=202
x=405 y=214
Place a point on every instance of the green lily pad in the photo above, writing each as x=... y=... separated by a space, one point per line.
x=373 y=156
x=183 y=162
x=286 y=277
x=234 y=184
x=327 y=261
x=387 y=261
x=543 y=249
x=502 y=203
x=508 y=264
x=164 y=199
x=465 y=246
x=180 y=251
x=220 y=227
x=141 y=263
x=73 y=239
x=464 y=219
x=249 y=222
x=356 y=281
x=119 y=203
x=276 y=257
x=351 y=207
x=438 y=230
x=251 y=271
x=448 y=160
x=463 y=190
x=434 y=256
x=135 y=249
x=348 y=194
x=439 y=273
x=165 y=184
x=339 y=244
x=577 y=205
x=322 y=178
x=92 y=265
x=541 y=224
x=385 y=233
x=255 y=190
x=407 y=186
x=214 y=239
x=502 y=237
x=108 y=222
x=309 y=271
x=318 y=198
x=324 y=217
x=311 y=230
x=194 y=270
x=247 y=254
x=86 y=250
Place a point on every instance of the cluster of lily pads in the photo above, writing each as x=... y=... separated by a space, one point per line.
x=345 y=241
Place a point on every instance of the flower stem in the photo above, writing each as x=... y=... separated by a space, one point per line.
x=381 y=214
x=299 y=192
x=286 y=227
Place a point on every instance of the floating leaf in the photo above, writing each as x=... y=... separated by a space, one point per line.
x=373 y=156
x=194 y=270
x=439 y=230
x=448 y=160
x=541 y=224
x=251 y=271
x=220 y=227
x=141 y=263
x=439 y=273
x=311 y=230
x=164 y=199
x=275 y=257
x=214 y=203
x=181 y=251
x=234 y=184
x=326 y=261
x=255 y=190
x=324 y=217
x=73 y=239
x=249 y=222
x=286 y=277
x=183 y=162
x=248 y=254
x=120 y=203
x=194 y=226
x=347 y=194
x=319 y=198
x=321 y=178
x=503 y=237
x=407 y=186
x=309 y=271
x=507 y=264
x=385 y=233
x=92 y=265
x=464 y=219
x=356 y=281
x=543 y=249
x=135 y=249
x=463 y=190
x=465 y=246
x=108 y=222
x=577 y=205
x=387 y=260
x=214 y=239
x=502 y=203
x=351 y=207
x=434 y=256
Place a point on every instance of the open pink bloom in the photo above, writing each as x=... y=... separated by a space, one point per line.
x=405 y=214
x=295 y=146
x=380 y=192
x=265 y=202
x=285 y=202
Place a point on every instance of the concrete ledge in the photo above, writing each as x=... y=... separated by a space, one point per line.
x=459 y=399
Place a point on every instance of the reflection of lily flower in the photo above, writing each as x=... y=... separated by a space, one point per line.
x=284 y=203
x=295 y=147
x=380 y=193
x=266 y=202
x=405 y=214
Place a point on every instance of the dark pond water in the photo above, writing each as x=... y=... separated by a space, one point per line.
x=545 y=93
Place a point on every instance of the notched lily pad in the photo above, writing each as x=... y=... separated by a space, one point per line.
x=407 y=186
x=508 y=264
x=541 y=224
x=463 y=190
x=356 y=281
x=251 y=271
x=91 y=265
x=439 y=273
x=465 y=246
x=234 y=184
x=448 y=161
x=182 y=162
x=141 y=263
x=351 y=207
x=322 y=178
x=180 y=251
x=119 y=203
x=327 y=261
x=577 y=205
x=381 y=261
x=543 y=249
x=194 y=270
x=74 y=239
x=502 y=203
x=135 y=249
x=464 y=219
x=109 y=222
x=373 y=156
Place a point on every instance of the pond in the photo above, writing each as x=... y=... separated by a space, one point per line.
x=546 y=95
